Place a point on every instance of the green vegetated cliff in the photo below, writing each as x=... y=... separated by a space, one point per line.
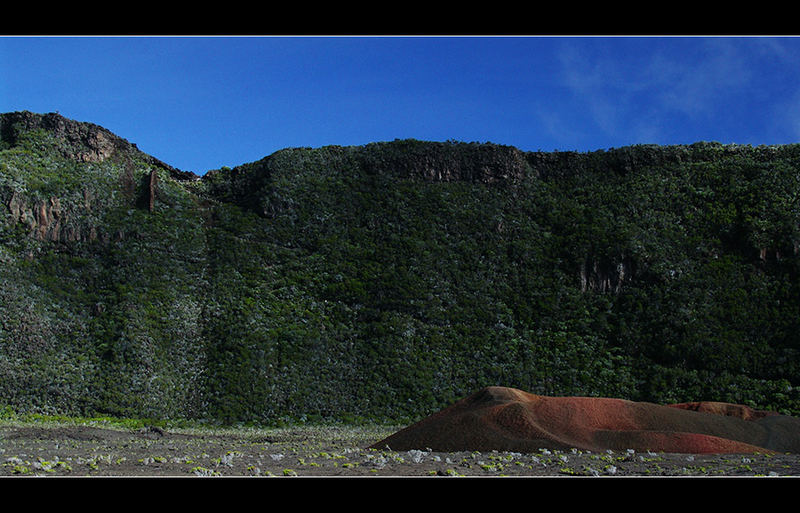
x=383 y=282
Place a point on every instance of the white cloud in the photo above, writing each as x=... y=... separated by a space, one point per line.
x=589 y=81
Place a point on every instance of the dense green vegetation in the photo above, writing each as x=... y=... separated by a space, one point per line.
x=383 y=282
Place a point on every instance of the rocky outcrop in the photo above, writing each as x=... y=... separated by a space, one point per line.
x=81 y=141
x=507 y=419
x=151 y=190
x=485 y=163
x=47 y=220
x=84 y=142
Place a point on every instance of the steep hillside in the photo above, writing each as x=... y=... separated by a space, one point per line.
x=387 y=280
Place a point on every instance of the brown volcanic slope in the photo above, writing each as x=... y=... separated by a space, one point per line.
x=506 y=419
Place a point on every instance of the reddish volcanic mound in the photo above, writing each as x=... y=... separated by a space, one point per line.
x=506 y=419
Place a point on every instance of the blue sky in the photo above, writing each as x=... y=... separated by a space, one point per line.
x=199 y=103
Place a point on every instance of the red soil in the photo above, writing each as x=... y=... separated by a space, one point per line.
x=506 y=419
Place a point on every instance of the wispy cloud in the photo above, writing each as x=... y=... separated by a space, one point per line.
x=591 y=82
x=787 y=115
x=632 y=87
x=700 y=82
x=784 y=110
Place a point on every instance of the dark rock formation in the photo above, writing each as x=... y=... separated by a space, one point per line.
x=606 y=275
x=151 y=188
x=446 y=161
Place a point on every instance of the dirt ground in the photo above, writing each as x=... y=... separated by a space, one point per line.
x=329 y=452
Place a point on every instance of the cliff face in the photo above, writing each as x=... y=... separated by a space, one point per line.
x=384 y=281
